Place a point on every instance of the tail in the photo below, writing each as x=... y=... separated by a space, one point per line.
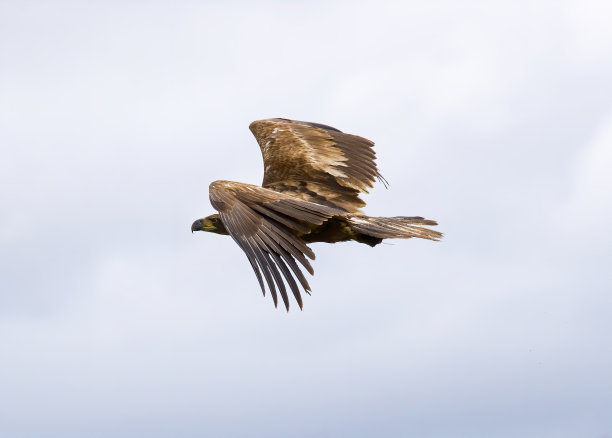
x=399 y=227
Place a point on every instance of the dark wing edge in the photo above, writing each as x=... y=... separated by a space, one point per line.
x=262 y=223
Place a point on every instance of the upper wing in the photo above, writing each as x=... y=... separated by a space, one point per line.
x=264 y=224
x=316 y=162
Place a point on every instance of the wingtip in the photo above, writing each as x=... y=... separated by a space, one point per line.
x=383 y=180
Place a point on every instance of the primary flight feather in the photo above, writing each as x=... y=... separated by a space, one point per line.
x=313 y=175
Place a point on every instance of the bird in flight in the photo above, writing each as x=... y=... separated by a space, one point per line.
x=313 y=175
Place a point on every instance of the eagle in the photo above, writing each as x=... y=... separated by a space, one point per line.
x=313 y=176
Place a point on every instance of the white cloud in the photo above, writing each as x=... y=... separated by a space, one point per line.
x=588 y=212
x=493 y=119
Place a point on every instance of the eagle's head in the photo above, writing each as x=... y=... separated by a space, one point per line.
x=211 y=224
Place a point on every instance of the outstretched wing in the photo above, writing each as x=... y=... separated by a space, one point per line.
x=316 y=162
x=266 y=224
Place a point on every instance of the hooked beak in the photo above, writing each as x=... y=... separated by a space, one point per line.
x=197 y=225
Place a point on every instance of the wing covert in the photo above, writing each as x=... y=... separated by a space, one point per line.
x=316 y=162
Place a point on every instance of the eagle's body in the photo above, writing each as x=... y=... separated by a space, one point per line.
x=313 y=175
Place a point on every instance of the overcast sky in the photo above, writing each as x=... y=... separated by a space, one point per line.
x=493 y=118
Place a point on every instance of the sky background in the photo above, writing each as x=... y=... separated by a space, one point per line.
x=493 y=118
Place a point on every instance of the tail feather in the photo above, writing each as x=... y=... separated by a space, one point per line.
x=399 y=227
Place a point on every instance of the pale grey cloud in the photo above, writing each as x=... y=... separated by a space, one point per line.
x=493 y=119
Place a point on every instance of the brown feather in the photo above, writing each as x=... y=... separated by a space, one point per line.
x=317 y=162
x=263 y=223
